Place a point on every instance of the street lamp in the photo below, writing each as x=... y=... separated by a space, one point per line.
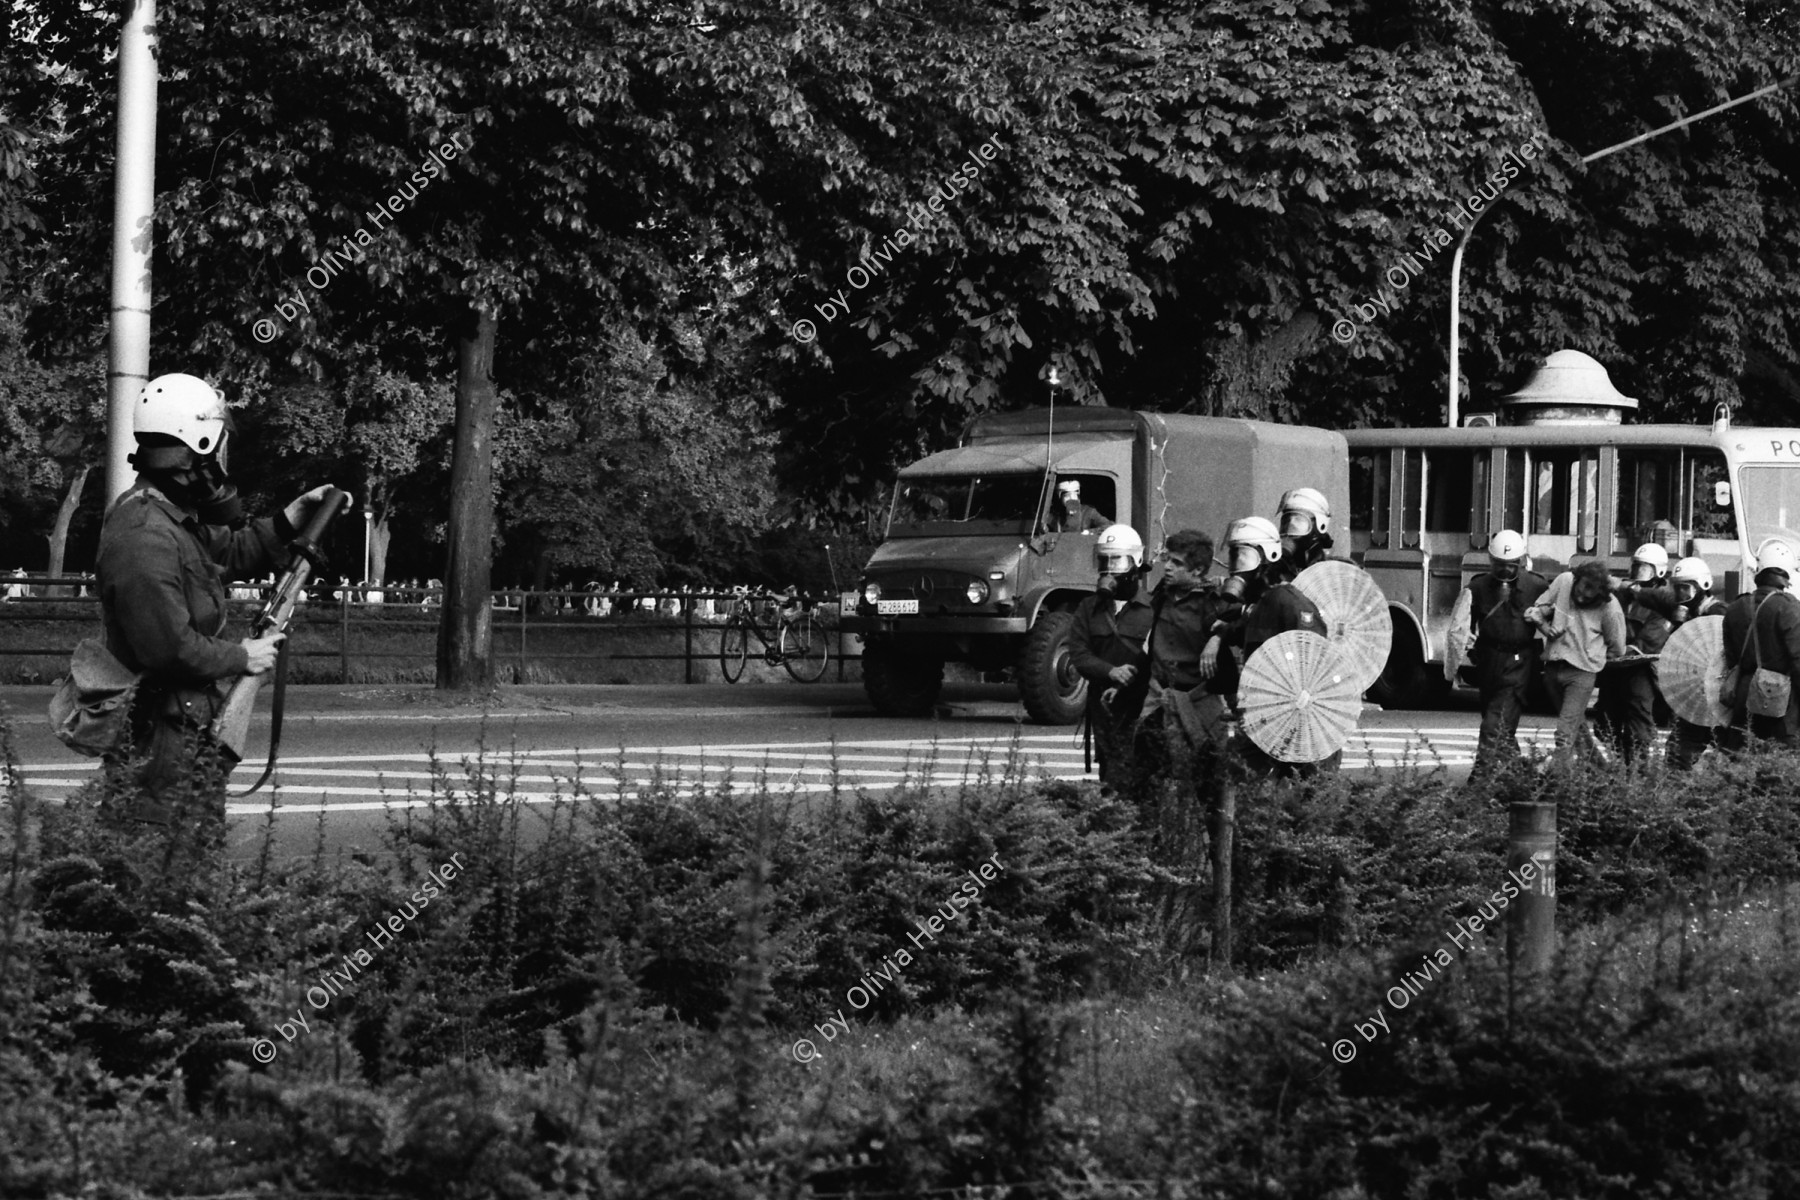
x=1456 y=259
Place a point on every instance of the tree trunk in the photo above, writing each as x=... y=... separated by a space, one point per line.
x=59 y=533
x=465 y=659
x=380 y=537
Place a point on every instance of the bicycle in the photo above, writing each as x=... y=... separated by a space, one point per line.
x=797 y=641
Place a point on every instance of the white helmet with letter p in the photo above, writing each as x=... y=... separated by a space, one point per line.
x=1118 y=549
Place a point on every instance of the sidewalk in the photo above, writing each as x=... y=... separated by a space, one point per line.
x=26 y=704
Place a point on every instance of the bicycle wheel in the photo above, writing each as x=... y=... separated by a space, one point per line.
x=734 y=649
x=805 y=648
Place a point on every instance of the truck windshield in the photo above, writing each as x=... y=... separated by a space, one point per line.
x=1769 y=502
x=965 y=504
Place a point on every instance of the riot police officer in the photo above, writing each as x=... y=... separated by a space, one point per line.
x=1272 y=605
x=1627 y=689
x=1502 y=647
x=1692 y=581
x=165 y=546
x=1107 y=648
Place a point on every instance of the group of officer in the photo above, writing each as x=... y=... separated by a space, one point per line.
x=1163 y=665
x=1761 y=629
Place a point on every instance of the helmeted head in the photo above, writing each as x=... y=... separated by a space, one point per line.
x=1303 y=511
x=1776 y=559
x=178 y=410
x=182 y=427
x=1069 y=491
x=1118 y=550
x=1251 y=544
x=1304 y=520
x=1649 y=564
x=1119 y=560
x=1692 y=579
x=1506 y=554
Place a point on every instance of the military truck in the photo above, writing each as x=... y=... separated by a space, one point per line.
x=974 y=569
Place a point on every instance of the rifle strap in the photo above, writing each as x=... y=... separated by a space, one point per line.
x=275 y=707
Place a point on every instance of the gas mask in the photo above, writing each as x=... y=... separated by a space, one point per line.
x=1504 y=570
x=213 y=496
x=193 y=482
x=1123 y=585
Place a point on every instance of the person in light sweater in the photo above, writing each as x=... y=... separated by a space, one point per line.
x=1584 y=629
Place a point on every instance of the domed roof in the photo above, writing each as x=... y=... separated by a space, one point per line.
x=1569 y=386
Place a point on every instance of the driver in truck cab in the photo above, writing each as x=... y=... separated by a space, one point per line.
x=1071 y=515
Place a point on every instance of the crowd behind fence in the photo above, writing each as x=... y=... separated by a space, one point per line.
x=45 y=613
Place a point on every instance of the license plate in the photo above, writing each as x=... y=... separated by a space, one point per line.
x=891 y=608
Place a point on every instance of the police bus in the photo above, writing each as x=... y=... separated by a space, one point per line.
x=1564 y=470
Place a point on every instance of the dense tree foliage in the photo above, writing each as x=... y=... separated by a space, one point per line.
x=1179 y=204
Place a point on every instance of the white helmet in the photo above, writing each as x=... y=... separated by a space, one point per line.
x=1251 y=532
x=1302 y=511
x=1507 y=546
x=1069 y=487
x=1777 y=554
x=1694 y=571
x=1652 y=556
x=184 y=407
x=1118 y=549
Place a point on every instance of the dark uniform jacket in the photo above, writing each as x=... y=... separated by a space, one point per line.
x=1649 y=616
x=1505 y=644
x=1282 y=608
x=1777 y=645
x=1102 y=640
x=161 y=592
x=1184 y=623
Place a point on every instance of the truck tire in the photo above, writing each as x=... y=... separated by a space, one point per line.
x=901 y=684
x=1053 y=692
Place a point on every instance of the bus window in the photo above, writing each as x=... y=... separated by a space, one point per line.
x=1456 y=491
x=1412 y=495
x=1649 y=479
x=1707 y=518
x=1565 y=494
x=1369 y=496
x=1769 y=499
x=1513 y=515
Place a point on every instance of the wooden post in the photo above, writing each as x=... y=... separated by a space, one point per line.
x=1224 y=826
x=524 y=603
x=343 y=635
x=1531 y=925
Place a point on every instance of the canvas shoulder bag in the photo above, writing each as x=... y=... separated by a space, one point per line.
x=91 y=712
x=1769 y=690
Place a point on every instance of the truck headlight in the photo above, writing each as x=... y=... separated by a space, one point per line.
x=871 y=592
x=977 y=591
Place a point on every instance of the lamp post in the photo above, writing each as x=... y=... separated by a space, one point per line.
x=1456 y=259
x=368 y=544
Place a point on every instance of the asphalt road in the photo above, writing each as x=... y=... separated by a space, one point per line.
x=350 y=755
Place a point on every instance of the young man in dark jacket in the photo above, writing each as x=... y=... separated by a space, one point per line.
x=166 y=545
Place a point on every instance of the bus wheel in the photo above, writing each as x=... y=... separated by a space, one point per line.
x=1053 y=690
x=1407 y=681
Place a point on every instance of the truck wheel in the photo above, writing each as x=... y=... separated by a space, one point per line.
x=1053 y=691
x=901 y=684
